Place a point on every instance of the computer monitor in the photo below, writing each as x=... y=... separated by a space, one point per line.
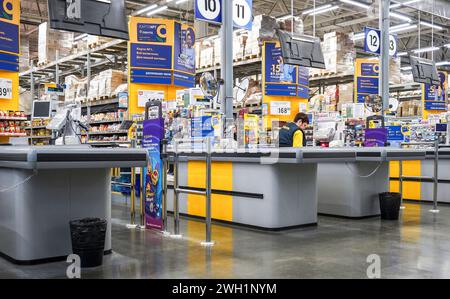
x=89 y=16
x=42 y=109
x=424 y=71
x=301 y=50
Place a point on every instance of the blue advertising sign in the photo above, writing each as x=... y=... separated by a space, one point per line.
x=151 y=56
x=376 y=137
x=394 y=133
x=9 y=62
x=276 y=71
x=202 y=127
x=184 y=49
x=151 y=76
x=156 y=33
x=303 y=76
x=367 y=85
x=182 y=79
x=242 y=14
x=153 y=133
x=209 y=10
x=9 y=37
x=370 y=69
x=435 y=95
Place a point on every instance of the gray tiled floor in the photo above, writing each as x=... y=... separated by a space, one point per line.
x=418 y=246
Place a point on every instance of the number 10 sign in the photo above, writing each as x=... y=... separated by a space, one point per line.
x=372 y=42
x=211 y=11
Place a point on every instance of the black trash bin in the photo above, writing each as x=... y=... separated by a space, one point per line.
x=88 y=240
x=390 y=205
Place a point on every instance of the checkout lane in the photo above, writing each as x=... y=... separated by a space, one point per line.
x=43 y=188
x=291 y=190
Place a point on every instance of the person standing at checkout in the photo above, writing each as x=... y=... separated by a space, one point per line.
x=293 y=134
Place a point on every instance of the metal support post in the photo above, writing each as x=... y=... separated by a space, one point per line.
x=384 y=64
x=132 y=224
x=142 y=199
x=208 y=241
x=164 y=188
x=400 y=179
x=57 y=68
x=176 y=199
x=227 y=63
x=435 y=176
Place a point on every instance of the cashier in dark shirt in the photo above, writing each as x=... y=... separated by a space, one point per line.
x=292 y=134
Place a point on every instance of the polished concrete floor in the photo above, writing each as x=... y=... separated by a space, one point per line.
x=417 y=246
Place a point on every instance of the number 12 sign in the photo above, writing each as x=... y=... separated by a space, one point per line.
x=372 y=43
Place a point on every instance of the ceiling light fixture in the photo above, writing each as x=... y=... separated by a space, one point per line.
x=316 y=12
x=308 y=11
x=356 y=3
x=158 y=10
x=424 y=50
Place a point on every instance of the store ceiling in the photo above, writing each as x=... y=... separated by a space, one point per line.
x=347 y=18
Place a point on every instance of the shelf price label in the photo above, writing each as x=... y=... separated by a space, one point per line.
x=5 y=89
x=372 y=42
x=280 y=108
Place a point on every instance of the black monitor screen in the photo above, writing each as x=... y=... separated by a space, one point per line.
x=41 y=109
x=424 y=71
x=441 y=127
x=89 y=16
x=303 y=50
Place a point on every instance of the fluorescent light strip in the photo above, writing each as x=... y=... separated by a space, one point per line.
x=356 y=3
x=447 y=45
x=358 y=36
x=145 y=9
x=158 y=10
x=400 y=16
x=180 y=1
x=404 y=28
x=396 y=5
x=399 y=54
x=323 y=10
x=406 y=68
x=442 y=63
x=423 y=50
x=308 y=11
x=431 y=25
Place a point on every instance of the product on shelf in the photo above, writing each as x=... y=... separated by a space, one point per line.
x=51 y=41
x=5 y=115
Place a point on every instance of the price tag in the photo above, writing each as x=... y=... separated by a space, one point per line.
x=208 y=10
x=280 y=108
x=5 y=89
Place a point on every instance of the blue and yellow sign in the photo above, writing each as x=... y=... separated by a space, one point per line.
x=366 y=79
x=9 y=35
x=435 y=96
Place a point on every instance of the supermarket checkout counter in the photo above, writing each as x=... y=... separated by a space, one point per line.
x=282 y=188
x=43 y=188
x=351 y=189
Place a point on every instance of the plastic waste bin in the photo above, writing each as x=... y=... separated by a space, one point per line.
x=390 y=205
x=88 y=240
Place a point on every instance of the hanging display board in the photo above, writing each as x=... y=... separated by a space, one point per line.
x=283 y=79
x=211 y=11
x=367 y=73
x=435 y=96
x=242 y=14
x=9 y=35
x=162 y=52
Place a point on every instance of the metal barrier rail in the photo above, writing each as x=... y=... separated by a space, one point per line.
x=207 y=193
x=434 y=178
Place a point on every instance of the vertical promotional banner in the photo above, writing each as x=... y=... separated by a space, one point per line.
x=280 y=79
x=184 y=55
x=9 y=35
x=435 y=96
x=153 y=132
x=366 y=79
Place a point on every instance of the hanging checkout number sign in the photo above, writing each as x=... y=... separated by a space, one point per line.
x=5 y=89
x=280 y=108
x=211 y=11
x=372 y=42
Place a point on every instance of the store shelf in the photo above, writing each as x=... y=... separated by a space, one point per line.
x=13 y=134
x=106 y=122
x=101 y=103
x=108 y=143
x=108 y=133
x=36 y=128
x=39 y=137
x=13 y=118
